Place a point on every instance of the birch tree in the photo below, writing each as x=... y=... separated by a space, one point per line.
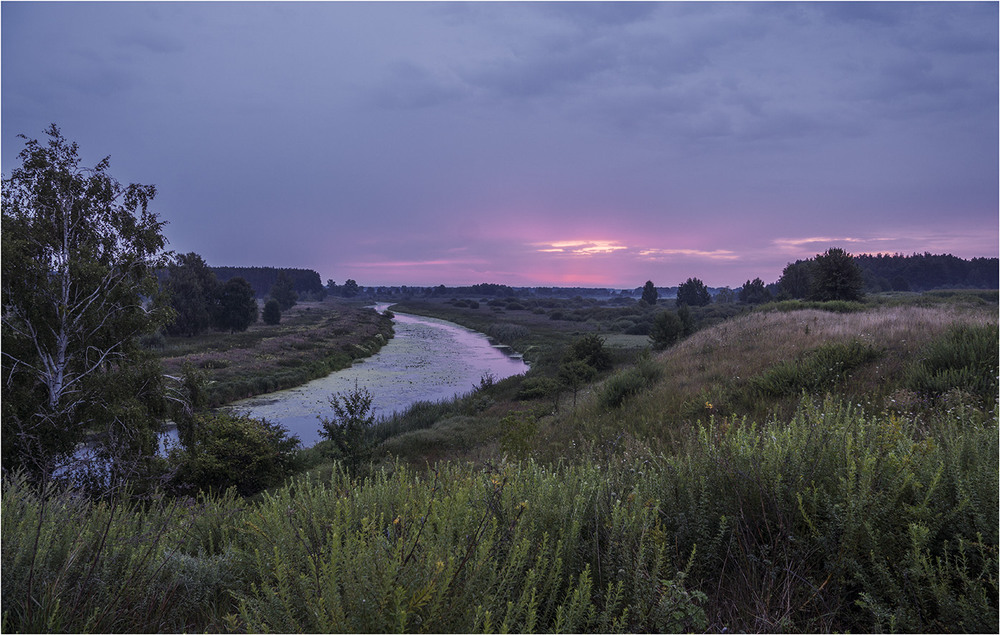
x=80 y=252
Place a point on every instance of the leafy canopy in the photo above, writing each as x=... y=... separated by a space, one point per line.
x=80 y=252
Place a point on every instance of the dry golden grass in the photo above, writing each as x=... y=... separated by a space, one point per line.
x=702 y=373
x=749 y=344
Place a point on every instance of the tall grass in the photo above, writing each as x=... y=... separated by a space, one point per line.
x=837 y=520
x=832 y=520
x=72 y=564
x=517 y=548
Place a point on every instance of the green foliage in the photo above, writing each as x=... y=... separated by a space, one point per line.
x=629 y=382
x=835 y=276
x=519 y=430
x=574 y=373
x=796 y=279
x=350 y=289
x=235 y=306
x=537 y=388
x=833 y=520
x=80 y=253
x=649 y=294
x=233 y=450
x=348 y=429
x=693 y=292
x=590 y=350
x=517 y=549
x=964 y=358
x=816 y=371
x=667 y=330
x=75 y=565
x=284 y=292
x=272 y=312
x=305 y=282
x=754 y=292
x=192 y=288
x=840 y=521
x=507 y=333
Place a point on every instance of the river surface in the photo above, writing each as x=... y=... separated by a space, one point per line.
x=427 y=360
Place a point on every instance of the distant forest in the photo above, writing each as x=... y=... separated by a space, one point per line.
x=917 y=272
x=305 y=281
x=923 y=272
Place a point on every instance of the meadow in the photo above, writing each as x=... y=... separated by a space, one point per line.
x=784 y=469
x=312 y=340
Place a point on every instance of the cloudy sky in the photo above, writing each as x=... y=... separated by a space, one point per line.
x=575 y=144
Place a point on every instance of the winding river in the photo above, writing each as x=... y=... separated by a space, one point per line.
x=427 y=360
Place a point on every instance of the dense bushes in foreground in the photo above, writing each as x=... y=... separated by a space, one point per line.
x=835 y=520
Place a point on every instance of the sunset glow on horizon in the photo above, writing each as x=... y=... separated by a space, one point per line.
x=529 y=144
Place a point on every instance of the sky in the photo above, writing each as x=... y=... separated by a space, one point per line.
x=595 y=144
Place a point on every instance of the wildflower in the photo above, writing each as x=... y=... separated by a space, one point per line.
x=708 y=405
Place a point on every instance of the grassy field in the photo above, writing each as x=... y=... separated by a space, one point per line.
x=312 y=340
x=789 y=469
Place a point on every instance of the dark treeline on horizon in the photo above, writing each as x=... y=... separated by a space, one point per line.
x=896 y=272
x=925 y=272
x=262 y=279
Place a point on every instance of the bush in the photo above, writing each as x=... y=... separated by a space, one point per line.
x=839 y=521
x=272 y=312
x=518 y=548
x=667 y=330
x=233 y=450
x=815 y=371
x=537 y=388
x=965 y=357
x=629 y=382
x=348 y=429
x=590 y=350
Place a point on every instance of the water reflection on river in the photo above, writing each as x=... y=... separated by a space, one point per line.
x=427 y=360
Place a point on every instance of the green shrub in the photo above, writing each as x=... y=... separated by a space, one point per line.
x=519 y=548
x=537 y=388
x=350 y=425
x=272 y=312
x=837 y=520
x=233 y=450
x=631 y=381
x=815 y=371
x=667 y=329
x=590 y=350
x=965 y=357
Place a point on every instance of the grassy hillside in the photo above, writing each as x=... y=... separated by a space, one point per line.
x=755 y=365
x=783 y=471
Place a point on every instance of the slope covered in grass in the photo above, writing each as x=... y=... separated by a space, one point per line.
x=802 y=471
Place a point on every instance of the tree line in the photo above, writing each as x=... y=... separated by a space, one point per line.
x=924 y=272
x=305 y=282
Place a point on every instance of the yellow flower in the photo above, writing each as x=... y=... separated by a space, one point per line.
x=395 y=521
x=708 y=405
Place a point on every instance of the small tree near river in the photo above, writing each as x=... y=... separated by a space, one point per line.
x=348 y=429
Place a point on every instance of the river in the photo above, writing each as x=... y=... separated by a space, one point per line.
x=427 y=360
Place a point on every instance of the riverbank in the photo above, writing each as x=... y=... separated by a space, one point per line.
x=313 y=340
x=427 y=361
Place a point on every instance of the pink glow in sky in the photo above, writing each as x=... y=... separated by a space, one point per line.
x=582 y=144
